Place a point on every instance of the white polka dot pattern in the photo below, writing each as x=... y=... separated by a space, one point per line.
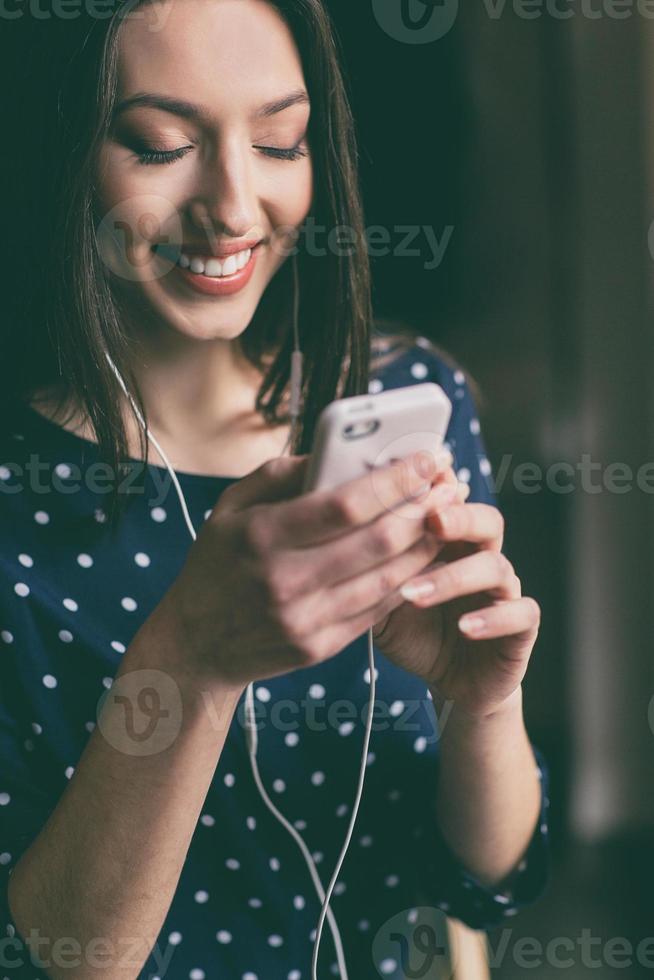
x=74 y=598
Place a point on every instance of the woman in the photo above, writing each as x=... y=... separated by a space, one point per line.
x=188 y=146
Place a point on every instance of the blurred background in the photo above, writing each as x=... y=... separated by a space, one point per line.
x=525 y=142
x=531 y=138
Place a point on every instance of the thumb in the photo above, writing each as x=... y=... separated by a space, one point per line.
x=279 y=478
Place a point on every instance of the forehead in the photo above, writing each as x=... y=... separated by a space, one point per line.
x=217 y=52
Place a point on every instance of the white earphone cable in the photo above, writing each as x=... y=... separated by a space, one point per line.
x=250 y=725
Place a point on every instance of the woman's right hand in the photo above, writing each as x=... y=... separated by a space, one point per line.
x=278 y=580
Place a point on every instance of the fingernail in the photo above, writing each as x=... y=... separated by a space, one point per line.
x=472 y=624
x=417 y=591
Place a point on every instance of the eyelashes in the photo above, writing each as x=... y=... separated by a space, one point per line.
x=162 y=156
x=155 y=156
x=294 y=153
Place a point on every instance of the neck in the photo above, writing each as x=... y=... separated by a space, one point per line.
x=205 y=387
x=200 y=402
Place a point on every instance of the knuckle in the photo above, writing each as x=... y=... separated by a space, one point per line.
x=536 y=612
x=269 y=467
x=256 y=534
x=278 y=585
x=382 y=537
x=386 y=582
x=503 y=566
x=341 y=507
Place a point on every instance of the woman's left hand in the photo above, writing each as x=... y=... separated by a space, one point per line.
x=477 y=669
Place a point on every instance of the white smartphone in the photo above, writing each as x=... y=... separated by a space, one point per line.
x=357 y=434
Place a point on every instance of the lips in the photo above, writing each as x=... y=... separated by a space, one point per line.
x=225 y=285
x=173 y=250
x=220 y=250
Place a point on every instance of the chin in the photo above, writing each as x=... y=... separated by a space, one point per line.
x=220 y=321
x=203 y=318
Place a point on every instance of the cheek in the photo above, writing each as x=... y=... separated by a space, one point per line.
x=129 y=218
x=306 y=191
x=128 y=188
x=289 y=201
x=118 y=197
x=287 y=207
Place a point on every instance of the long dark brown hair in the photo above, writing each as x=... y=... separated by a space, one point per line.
x=61 y=311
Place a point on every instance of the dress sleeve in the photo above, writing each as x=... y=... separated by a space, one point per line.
x=444 y=881
x=465 y=439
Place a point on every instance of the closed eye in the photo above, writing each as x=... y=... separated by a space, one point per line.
x=162 y=156
x=157 y=156
x=280 y=153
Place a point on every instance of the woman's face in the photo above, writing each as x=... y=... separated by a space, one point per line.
x=233 y=178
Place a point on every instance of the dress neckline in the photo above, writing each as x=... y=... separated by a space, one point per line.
x=66 y=437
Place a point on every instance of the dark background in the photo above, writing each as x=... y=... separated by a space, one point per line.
x=531 y=139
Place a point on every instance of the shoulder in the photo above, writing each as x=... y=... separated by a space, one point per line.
x=400 y=356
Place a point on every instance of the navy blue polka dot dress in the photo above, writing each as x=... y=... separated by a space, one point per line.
x=72 y=596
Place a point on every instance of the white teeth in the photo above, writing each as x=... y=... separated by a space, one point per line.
x=213 y=267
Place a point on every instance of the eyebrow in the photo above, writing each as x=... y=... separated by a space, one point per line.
x=189 y=110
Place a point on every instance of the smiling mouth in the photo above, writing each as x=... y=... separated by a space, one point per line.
x=208 y=265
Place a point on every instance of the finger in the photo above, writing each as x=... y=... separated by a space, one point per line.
x=485 y=571
x=321 y=515
x=340 y=635
x=359 y=594
x=477 y=523
x=367 y=548
x=517 y=617
x=463 y=492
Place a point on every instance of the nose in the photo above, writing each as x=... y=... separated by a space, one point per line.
x=227 y=203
